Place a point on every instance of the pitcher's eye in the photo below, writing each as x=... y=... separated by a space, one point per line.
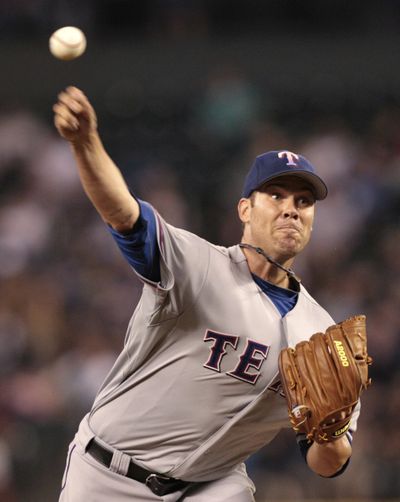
x=276 y=195
x=305 y=201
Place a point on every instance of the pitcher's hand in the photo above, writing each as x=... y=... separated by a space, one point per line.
x=74 y=116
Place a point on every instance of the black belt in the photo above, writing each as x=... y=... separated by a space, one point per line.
x=158 y=484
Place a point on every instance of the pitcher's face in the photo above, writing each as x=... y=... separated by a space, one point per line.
x=279 y=216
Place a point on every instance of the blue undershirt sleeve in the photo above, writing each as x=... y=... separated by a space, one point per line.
x=139 y=246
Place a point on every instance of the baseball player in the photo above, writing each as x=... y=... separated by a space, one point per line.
x=196 y=388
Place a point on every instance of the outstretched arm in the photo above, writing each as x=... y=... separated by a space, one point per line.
x=76 y=121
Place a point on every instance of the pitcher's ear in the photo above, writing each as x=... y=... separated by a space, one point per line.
x=244 y=209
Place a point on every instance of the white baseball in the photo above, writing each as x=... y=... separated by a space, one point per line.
x=67 y=43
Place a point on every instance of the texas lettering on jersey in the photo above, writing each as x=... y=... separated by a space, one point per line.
x=249 y=362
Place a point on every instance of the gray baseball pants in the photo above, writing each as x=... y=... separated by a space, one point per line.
x=87 y=480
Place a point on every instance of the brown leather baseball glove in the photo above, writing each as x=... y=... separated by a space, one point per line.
x=323 y=379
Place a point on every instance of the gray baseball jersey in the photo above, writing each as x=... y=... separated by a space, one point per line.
x=195 y=389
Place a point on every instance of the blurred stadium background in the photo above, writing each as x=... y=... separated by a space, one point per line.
x=187 y=93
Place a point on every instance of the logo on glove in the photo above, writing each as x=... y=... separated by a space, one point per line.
x=342 y=430
x=341 y=353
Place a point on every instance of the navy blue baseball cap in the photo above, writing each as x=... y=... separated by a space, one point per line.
x=270 y=165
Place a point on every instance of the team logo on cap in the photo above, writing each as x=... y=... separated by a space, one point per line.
x=290 y=157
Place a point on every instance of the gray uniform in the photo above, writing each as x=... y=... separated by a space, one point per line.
x=195 y=389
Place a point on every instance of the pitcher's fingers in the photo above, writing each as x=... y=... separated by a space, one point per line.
x=79 y=96
x=70 y=102
x=63 y=112
x=64 y=125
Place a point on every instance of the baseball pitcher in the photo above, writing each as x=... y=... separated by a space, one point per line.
x=218 y=338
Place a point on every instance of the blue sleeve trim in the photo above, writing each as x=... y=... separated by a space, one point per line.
x=139 y=246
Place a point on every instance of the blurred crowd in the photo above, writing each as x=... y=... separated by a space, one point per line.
x=67 y=294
